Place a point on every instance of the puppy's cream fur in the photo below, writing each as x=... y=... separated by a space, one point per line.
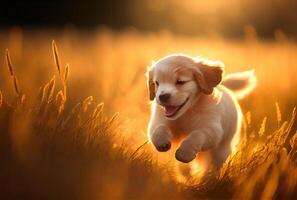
x=200 y=113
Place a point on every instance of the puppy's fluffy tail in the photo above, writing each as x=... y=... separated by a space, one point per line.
x=241 y=84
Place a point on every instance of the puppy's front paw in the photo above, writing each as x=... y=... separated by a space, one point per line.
x=163 y=147
x=162 y=140
x=184 y=155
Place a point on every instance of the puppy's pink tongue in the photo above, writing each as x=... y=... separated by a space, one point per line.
x=170 y=110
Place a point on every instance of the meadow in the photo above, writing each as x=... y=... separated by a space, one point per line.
x=74 y=113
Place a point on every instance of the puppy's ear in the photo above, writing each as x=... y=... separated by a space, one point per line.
x=150 y=83
x=208 y=74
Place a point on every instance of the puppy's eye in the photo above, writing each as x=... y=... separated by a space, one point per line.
x=180 y=82
x=157 y=83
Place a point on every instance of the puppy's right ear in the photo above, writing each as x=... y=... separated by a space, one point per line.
x=150 y=83
x=208 y=74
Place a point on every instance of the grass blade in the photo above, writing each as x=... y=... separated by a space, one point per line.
x=8 y=62
x=66 y=73
x=56 y=56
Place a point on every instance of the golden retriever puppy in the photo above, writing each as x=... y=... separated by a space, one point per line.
x=190 y=105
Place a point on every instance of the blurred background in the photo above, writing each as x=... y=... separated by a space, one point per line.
x=108 y=45
x=118 y=39
x=191 y=17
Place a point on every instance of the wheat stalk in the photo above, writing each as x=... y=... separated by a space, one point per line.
x=12 y=74
x=16 y=85
x=44 y=92
x=248 y=117
x=263 y=125
x=66 y=72
x=8 y=62
x=60 y=101
x=59 y=98
x=140 y=147
x=57 y=61
x=51 y=89
x=98 y=110
x=278 y=114
x=56 y=56
x=113 y=118
x=86 y=103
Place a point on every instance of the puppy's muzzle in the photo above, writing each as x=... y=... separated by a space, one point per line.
x=164 y=97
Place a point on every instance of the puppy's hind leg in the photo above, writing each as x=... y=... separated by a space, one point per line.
x=220 y=154
x=199 y=140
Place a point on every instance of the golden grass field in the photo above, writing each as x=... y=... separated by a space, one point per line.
x=73 y=119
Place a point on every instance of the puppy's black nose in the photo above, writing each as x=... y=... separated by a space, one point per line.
x=164 y=97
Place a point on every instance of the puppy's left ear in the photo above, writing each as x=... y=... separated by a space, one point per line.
x=209 y=74
x=150 y=83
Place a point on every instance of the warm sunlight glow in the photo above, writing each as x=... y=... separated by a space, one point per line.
x=197 y=168
x=210 y=6
x=66 y=128
x=193 y=170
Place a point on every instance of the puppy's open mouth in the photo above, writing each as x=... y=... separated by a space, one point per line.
x=170 y=111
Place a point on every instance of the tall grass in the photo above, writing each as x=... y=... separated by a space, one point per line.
x=263 y=168
x=57 y=141
x=47 y=152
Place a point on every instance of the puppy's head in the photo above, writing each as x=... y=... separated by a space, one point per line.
x=177 y=80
